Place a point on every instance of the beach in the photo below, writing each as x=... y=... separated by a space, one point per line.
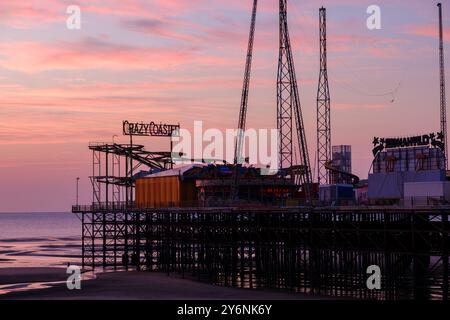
x=49 y=284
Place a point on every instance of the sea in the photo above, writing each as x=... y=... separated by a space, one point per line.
x=29 y=240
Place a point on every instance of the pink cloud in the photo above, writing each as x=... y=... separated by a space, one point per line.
x=26 y=14
x=387 y=52
x=32 y=13
x=427 y=31
x=89 y=54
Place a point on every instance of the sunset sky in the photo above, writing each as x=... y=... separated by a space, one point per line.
x=181 y=61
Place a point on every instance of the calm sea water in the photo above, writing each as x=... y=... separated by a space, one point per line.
x=39 y=239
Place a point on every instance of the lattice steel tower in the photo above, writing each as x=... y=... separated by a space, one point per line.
x=288 y=107
x=323 y=106
x=238 y=158
x=442 y=76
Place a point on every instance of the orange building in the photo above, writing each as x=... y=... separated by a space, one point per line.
x=167 y=189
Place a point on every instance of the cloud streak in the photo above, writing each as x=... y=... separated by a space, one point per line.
x=89 y=53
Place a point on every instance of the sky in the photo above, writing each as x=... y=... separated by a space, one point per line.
x=179 y=61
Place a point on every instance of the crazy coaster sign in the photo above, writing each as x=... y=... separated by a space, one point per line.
x=434 y=140
x=151 y=129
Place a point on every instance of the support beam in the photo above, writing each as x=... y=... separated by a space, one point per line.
x=325 y=250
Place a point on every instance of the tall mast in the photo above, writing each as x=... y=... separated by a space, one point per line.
x=238 y=159
x=323 y=106
x=289 y=108
x=442 y=76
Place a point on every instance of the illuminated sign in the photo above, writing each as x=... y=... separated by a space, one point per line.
x=151 y=129
x=435 y=140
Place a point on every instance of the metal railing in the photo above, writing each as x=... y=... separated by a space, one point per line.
x=414 y=202
x=110 y=206
x=216 y=203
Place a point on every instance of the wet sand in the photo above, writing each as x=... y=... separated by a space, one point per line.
x=128 y=286
x=9 y=276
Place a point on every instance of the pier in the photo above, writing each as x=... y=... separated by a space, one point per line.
x=323 y=251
